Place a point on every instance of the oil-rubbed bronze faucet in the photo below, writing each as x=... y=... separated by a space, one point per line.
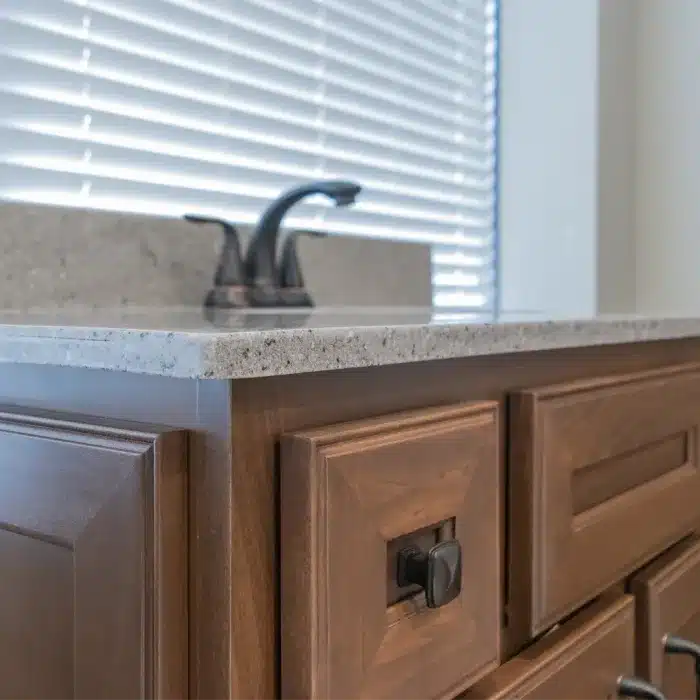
x=266 y=278
x=289 y=277
x=229 y=291
x=262 y=276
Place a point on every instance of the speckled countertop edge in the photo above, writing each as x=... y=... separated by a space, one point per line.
x=260 y=353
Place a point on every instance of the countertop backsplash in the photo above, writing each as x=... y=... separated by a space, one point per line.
x=59 y=257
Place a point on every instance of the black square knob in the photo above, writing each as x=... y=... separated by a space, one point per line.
x=438 y=571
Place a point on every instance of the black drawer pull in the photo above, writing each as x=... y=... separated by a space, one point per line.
x=684 y=647
x=630 y=687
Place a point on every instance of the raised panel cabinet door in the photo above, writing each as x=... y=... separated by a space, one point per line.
x=603 y=476
x=580 y=660
x=667 y=596
x=93 y=574
x=391 y=555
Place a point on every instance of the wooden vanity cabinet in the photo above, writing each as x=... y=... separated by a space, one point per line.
x=93 y=537
x=95 y=511
x=667 y=595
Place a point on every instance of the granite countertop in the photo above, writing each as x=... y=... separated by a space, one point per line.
x=190 y=342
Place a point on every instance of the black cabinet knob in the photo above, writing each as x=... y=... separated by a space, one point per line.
x=629 y=687
x=438 y=571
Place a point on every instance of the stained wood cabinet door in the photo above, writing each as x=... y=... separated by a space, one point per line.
x=667 y=597
x=353 y=496
x=580 y=660
x=93 y=594
x=604 y=475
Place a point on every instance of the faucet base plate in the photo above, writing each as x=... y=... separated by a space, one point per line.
x=228 y=297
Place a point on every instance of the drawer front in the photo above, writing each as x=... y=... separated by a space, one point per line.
x=581 y=659
x=667 y=597
x=352 y=497
x=603 y=476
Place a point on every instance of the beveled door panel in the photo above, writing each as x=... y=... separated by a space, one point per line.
x=354 y=494
x=603 y=476
x=93 y=590
x=667 y=594
x=582 y=659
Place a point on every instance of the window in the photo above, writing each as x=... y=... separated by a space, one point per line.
x=216 y=106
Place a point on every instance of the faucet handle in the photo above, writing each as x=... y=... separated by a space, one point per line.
x=229 y=289
x=289 y=277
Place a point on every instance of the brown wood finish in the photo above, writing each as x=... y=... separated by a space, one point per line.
x=231 y=654
x=93 y=545
x=582 y=659
x=667 y=597
x=603 y=476
x=265 y=408
x=347 y=491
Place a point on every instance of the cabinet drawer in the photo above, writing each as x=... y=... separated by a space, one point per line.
x=603 y=476
x=353 y=496
x=581 y=659
x=667 y=597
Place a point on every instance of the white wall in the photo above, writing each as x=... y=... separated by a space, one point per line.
x=600 y=138
x=549 y=155
x=617 y=156
x=668 y=156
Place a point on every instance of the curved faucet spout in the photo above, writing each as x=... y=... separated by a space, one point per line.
x=262 y=252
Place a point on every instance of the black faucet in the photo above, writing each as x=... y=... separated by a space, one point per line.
x=261 y=275
x=289 y=278
x=229 y=290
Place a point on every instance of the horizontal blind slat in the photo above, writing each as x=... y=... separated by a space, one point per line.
x=203 y=151
x=205 y=154
x=375 y=165
x=289 y=163
x=401 y=222
x=153 y=44
x=300 y=100
x=412 y=58
x=359 y=17
x=23 y=183
x=282 y=40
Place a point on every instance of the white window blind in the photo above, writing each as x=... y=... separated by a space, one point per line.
x=216 y=106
